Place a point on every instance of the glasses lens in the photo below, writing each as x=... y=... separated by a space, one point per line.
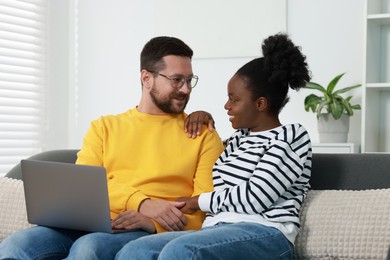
x=177 y=82
x=194 y=81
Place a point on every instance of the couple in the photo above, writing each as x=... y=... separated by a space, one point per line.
x=246 y=197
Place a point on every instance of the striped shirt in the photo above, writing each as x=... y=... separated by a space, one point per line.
x=261 y=177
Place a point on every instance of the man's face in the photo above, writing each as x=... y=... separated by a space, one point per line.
x=166 y=97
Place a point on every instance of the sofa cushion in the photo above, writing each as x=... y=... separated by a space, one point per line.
x=12 y=207
x=345 y=224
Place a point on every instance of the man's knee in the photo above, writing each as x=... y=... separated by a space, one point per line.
x=86 y=247
x=130 y=251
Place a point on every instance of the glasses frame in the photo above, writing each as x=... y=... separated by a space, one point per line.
x=173 y=80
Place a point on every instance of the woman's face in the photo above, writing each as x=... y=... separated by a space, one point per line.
x=242 y=109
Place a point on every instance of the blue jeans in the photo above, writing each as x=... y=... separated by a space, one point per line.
x=223 y=241
x=52 y=243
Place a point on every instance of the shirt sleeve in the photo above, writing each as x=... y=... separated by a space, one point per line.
x=275 y=172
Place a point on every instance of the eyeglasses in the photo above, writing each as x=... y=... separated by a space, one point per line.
x=178 y=82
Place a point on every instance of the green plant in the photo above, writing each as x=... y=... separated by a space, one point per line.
x=331 y=99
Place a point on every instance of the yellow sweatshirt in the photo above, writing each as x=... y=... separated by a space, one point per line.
x=150 y=156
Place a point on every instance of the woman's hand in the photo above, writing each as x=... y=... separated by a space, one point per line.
x=191 y=204
x=195 y=120
x=133 y=220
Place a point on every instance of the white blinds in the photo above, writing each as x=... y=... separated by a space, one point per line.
x=22 y=79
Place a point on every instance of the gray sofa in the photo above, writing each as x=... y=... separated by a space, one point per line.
x=346 y=214
x=329 y=171
x=65 y=155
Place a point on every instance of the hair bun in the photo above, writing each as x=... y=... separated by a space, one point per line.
x=284 y=62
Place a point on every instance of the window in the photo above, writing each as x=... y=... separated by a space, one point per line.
x=22 y=79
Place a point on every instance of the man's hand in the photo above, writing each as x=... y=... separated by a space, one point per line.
x=195 y=120
x=191 y=204
x=133 y=220
x=165 y=213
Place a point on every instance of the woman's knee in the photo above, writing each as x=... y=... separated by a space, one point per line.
x=229 y=242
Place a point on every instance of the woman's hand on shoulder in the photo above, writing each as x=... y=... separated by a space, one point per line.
x=195 y=120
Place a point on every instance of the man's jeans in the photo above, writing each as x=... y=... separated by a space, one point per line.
x=223 y=241
x=51 y=243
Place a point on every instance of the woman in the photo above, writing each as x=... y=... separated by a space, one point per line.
x=261 y=178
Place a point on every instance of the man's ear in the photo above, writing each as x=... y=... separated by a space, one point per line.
x=262 y=103
x=146 y=79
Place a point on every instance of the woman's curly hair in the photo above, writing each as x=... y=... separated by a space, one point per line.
x=282 y=66
x=284 y=61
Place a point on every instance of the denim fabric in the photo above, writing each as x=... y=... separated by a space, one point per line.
x=223 y=241
x=52 y=243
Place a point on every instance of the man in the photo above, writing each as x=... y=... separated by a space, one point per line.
x=150 y=163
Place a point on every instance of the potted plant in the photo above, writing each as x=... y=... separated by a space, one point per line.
x=333 y=111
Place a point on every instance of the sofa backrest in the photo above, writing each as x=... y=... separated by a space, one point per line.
x=329 y=171
x=66 y=156
x=350 y=171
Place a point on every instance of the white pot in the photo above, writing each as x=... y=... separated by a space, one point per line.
x=331 y=130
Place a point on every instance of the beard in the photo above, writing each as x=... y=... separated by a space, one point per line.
x=167 y=104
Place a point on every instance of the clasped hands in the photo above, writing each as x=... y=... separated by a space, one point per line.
x=169 y=214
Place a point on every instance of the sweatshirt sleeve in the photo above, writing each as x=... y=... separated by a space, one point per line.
x=121 y=195
x=212 y=148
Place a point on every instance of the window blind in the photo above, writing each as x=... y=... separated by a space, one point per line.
x=22 y=80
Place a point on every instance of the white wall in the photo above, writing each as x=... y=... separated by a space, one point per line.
x=57 y=103
x=104 y=62
x=107 y=44
x=106 y=66
x=331 y=35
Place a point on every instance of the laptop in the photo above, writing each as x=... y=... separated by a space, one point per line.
x=66 y=195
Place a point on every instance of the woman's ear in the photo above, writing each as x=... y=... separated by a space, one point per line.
x=262 y=103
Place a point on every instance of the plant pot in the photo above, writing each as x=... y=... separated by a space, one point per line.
x=331 y=130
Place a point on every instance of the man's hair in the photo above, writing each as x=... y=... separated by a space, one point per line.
x=157 y=48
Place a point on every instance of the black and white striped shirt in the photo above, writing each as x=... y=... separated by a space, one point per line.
x=261 y=177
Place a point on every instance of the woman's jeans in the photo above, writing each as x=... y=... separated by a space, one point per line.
x=223 y=241
x=52 y=243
